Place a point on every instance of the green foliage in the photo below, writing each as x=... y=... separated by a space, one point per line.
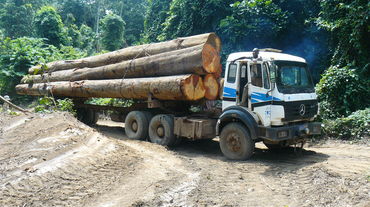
x=349 y=23
x=341 y=91
x=133 y=14
x=78 y=9
x=88 y=39
x=74 y=36
x=48 y=104
x=355 y=126
x=49 y=25
x=44 y=105
x=66 y=105
x=110 y=102
x=112 y=32
x=189 y=17
x=155 y=17
x=344 y=88
x=17 y=55
x=16 y=17
x=252 y=24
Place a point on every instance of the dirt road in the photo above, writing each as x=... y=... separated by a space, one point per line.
x=54 y=160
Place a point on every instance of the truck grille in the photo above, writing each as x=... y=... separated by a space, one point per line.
x=294 y=110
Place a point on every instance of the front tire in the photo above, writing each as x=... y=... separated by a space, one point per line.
x=236 y=142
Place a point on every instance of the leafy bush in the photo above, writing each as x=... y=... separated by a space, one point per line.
x=16 y=18
x=113 y=28
x=48 y=104
x=49 y=25
x=110 y=102
x=349 y=23
x=17 y=55
x=342 y=91
x=355 y=126
x=252 y=24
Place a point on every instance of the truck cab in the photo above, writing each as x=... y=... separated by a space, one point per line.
x=268 y=96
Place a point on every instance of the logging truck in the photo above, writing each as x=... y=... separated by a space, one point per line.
x=178 y=93
x=267 y=96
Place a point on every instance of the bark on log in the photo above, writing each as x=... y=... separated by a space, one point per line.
x=201 y=59
x=211 y=86
x=183 y=87
x=131 y=52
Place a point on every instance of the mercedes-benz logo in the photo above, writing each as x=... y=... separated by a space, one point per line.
x=302 y=109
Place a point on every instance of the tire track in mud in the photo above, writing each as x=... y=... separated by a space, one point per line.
x=65 y=163
x=161 y=180
x=75 y=168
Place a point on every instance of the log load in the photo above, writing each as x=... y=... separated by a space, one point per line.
x=181 y=87
x=211 y=86
x=200 y=59
x=131 y=53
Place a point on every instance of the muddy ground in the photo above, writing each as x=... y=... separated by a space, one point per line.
x=54 y=160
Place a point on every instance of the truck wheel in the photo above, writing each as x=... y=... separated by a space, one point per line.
x=87 y=116
x=161 y=130
x=235 y=142
x=136 y=125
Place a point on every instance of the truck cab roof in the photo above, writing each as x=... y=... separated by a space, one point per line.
x=267 y=56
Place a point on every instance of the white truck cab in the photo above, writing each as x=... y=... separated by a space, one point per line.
x=270 y=96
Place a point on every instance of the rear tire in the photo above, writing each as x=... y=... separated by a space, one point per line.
x=87 y=116
x=235 y=142
x=161 y=130
x=136 y=125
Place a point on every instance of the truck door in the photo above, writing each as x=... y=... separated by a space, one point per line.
x=259 y=87
x=230 y=85
x=243 y=80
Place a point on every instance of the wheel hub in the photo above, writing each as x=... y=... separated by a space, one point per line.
x=134 y=126
x=160 y=131
x=233 y=142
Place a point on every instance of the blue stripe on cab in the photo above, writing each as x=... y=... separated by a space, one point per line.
x=229 y=92
x=256 y=97
x=261 y=97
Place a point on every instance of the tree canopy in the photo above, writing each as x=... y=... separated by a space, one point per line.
x=332 y=35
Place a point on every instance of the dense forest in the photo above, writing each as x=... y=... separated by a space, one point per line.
x=332 y=35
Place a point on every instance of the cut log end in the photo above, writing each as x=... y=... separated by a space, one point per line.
x=193 y=88
x=221 y=88
x=215 y=41
x=211 y=59
x=211 y=86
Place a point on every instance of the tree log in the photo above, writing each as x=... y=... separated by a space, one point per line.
x=211 y=86
x=182 y=87
x=201 y=59
x=13 y=105
x=131 y=53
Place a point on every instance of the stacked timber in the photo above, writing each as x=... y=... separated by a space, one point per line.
x=183 y=69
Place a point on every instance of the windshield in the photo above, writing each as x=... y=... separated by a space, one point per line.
x=293 y=77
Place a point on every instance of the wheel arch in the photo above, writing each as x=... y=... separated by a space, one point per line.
x=238 y=114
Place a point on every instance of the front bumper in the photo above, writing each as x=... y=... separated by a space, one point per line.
x=295 y=131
